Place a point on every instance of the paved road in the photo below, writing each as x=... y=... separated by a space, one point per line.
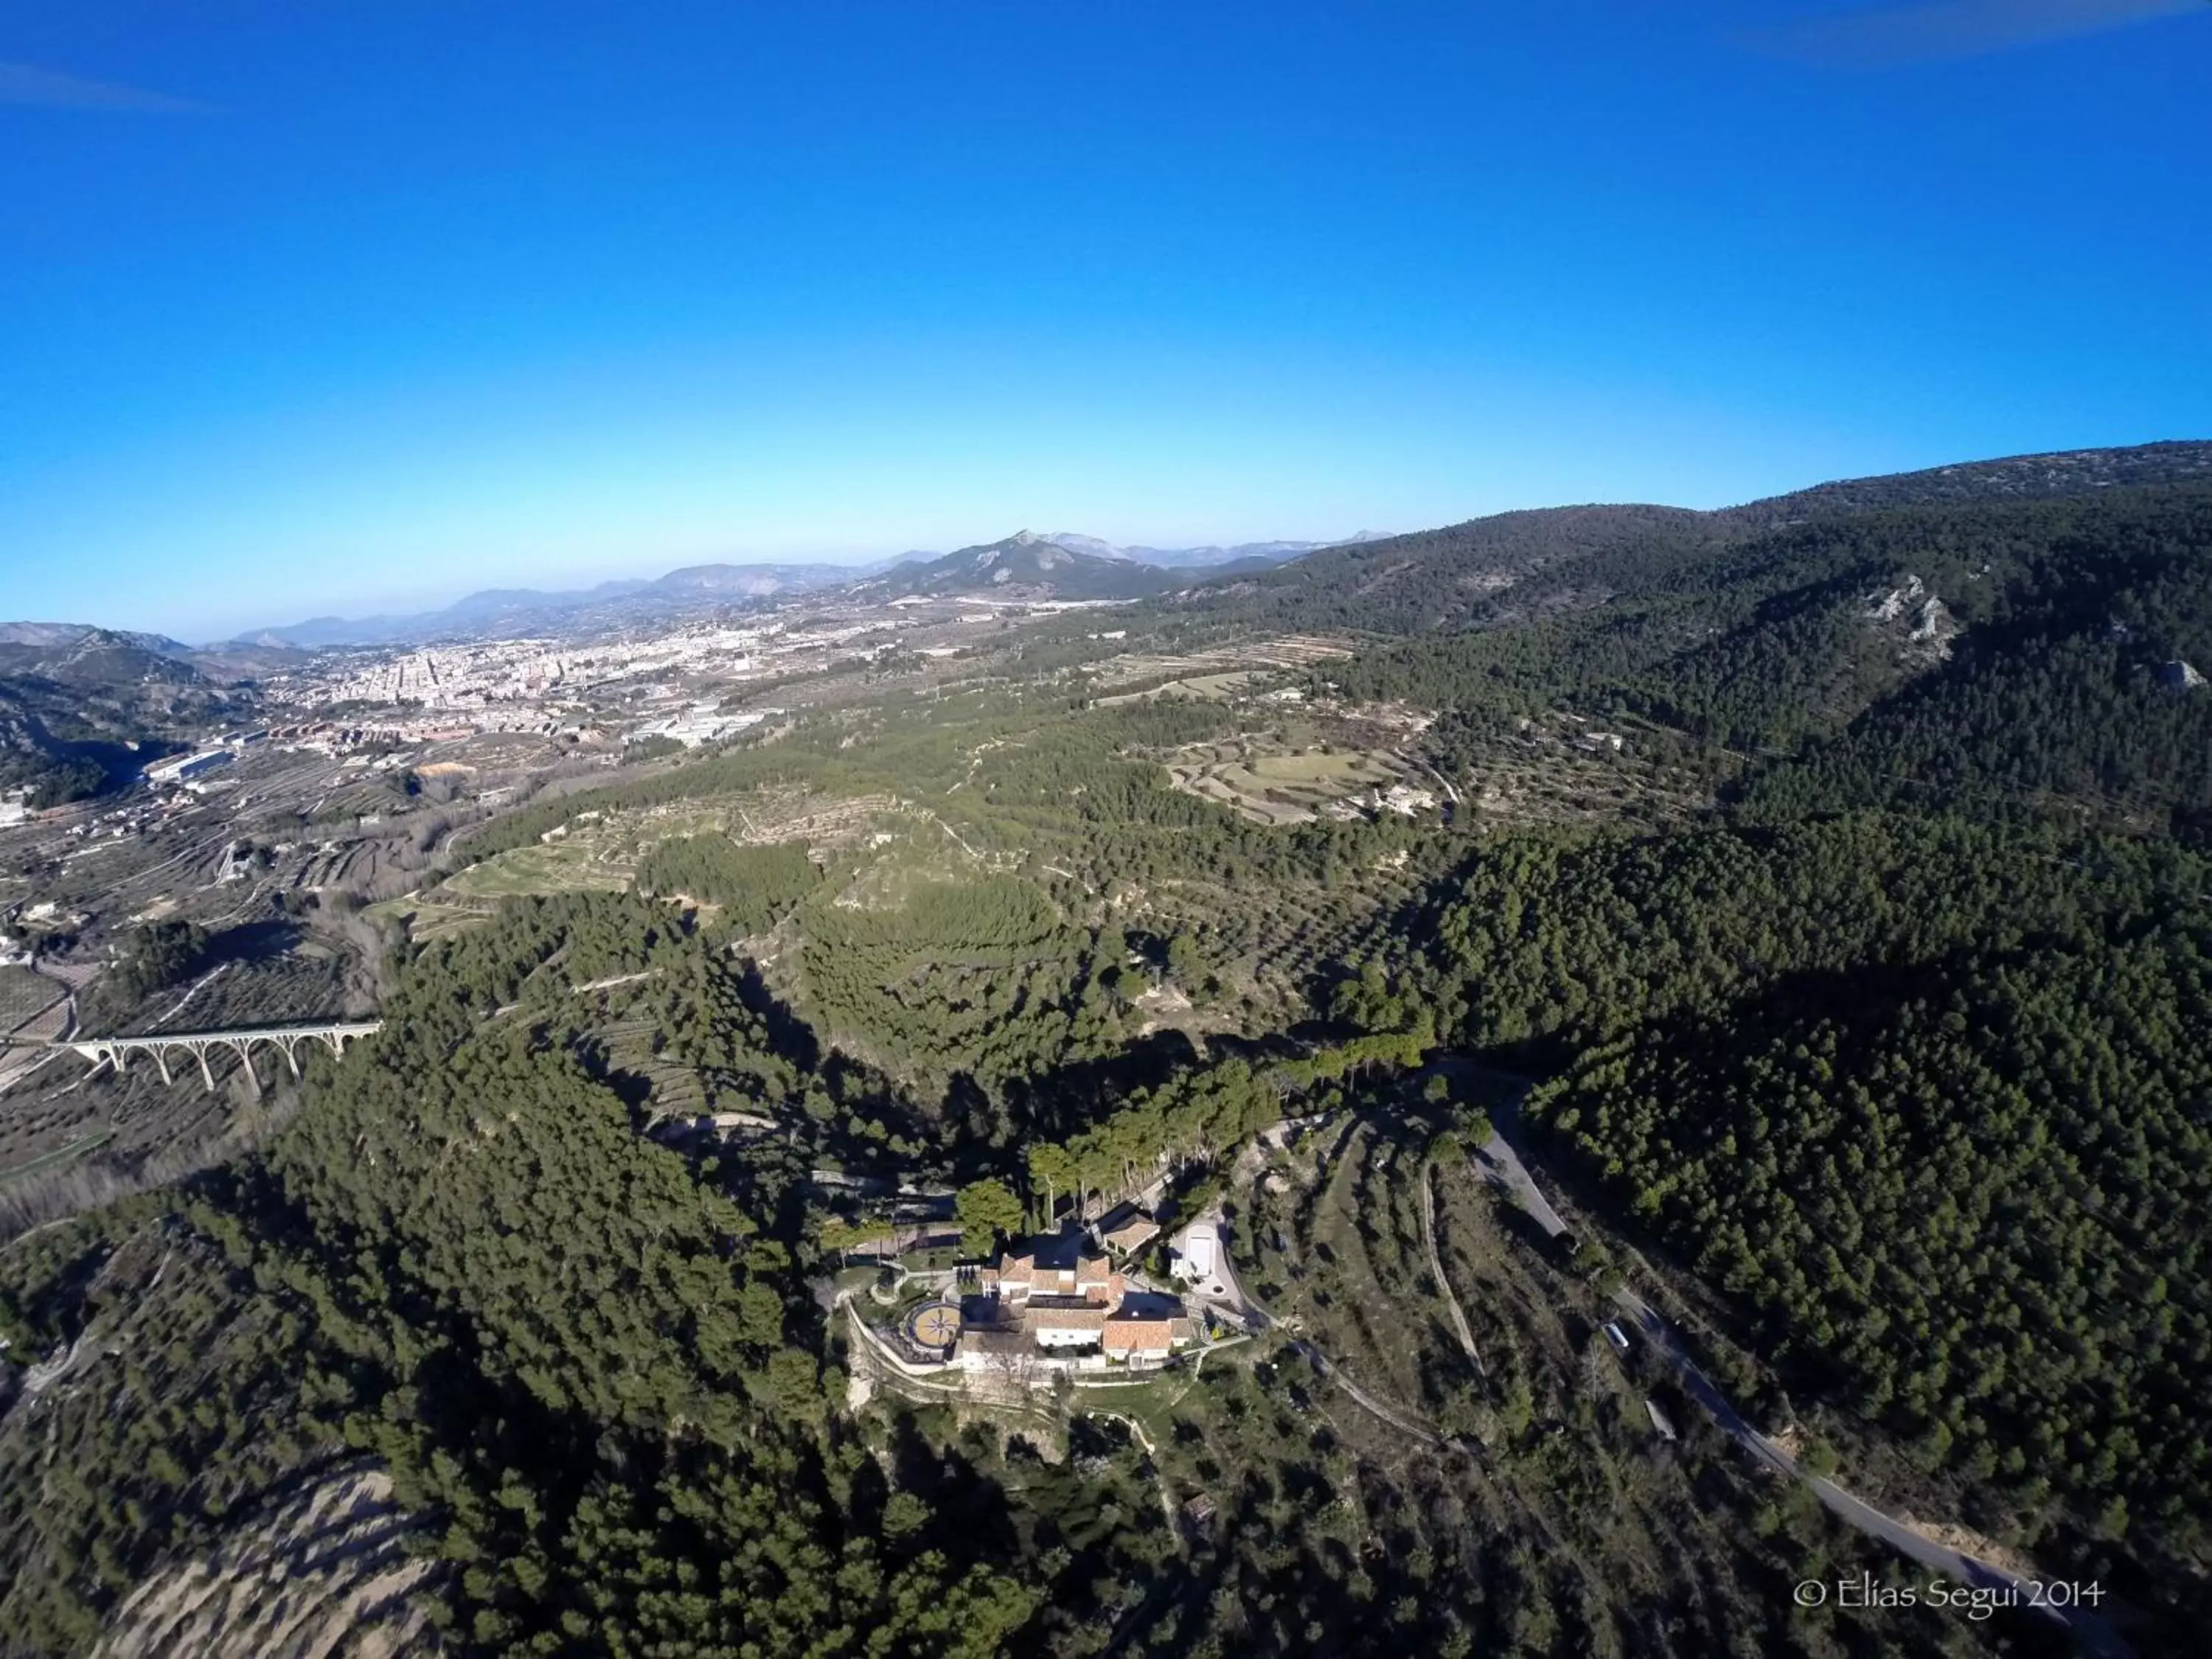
x=1502 y=1164
x=1499 y=1161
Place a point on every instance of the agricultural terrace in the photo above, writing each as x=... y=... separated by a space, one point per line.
x=1084 y=811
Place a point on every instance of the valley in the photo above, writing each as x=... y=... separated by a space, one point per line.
x=1597 y=1022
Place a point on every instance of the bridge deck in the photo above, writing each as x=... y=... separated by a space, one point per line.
x=240 y=1040
x=325 y=1031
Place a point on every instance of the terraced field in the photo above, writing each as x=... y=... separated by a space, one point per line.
x=574 y=865
x=1286 y=653
x=1277 y=787
x=24 y=996
x=1546 y=775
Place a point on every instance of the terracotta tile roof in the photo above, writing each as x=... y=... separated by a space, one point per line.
x=1054 y=1313
x=1127 y=1228
x=1142 y=1335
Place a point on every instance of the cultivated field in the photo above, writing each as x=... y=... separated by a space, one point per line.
x=576 y=865
x=1285 y=652
x=24 y=996
x=1269 y=786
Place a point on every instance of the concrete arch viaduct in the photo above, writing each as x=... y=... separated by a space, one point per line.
x=117 y=1051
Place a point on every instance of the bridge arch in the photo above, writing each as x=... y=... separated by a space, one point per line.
x=162 y=1047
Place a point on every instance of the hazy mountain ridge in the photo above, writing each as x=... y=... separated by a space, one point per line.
x=1063 y=564
x=512 y=610
x=1180 y=558
x=1024 y=562
x=637 y=599
x=78 y=703
x=65 y=637
x=1514 y=565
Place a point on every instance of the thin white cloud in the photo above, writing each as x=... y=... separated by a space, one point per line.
x=20 y=83
x=1951 y=29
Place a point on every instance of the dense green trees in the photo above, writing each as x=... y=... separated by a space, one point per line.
x=980 y=976
x=1583 y=936
x=1976 y=1197
x=988 y=1211
x=195 y=1415
x=1928 y=1096
x=160 y=955
x=752 y=887
x=2060 y=697
x=1186 y=1123
x=589 y=1363
x=574 y=1350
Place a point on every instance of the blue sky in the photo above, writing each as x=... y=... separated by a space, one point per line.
x=311 y=309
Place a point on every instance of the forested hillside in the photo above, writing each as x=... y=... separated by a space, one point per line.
x=596 y=1368
x=79 y=708
x=2039 y=654
x=614 y=1417
x=1521 y=566
x=1876 y=1055
x=2066 y=472
x=1930 y=1098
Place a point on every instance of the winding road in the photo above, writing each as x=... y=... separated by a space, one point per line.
x=1500 y=1162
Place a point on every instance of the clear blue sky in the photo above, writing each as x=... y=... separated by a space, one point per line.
x=316 y=308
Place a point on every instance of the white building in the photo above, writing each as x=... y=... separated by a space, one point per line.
x=1065 y=1322
x=1143 y=1339
x=1053 y=1303
x=1198 y=1254
x=182 y=769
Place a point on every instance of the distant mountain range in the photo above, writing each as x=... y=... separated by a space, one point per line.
x=1886 y=615
x=1090 y=568
x=58 y=643
x=1027 y=564
x=510 y=610
x=1065 y=566
x=1192 y=558
x=82 y=706
x=1528 y=564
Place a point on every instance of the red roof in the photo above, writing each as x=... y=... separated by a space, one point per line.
x=1138 y=1335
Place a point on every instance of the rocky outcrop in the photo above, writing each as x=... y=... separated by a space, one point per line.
x=1922 y=621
